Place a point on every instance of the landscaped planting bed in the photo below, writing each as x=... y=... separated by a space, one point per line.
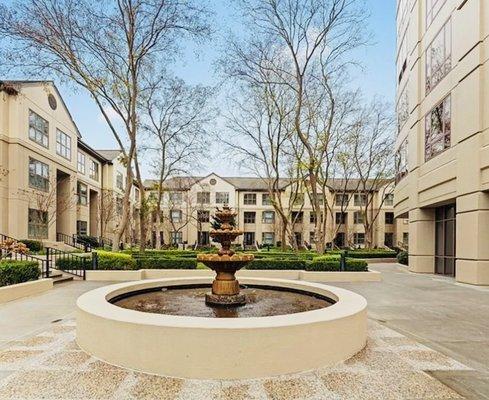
x=13 y=272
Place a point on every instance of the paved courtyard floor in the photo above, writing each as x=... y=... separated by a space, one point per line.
x=428 y=339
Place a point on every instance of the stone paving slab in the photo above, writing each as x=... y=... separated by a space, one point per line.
x=50 y=365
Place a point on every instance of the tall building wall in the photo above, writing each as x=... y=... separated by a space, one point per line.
x=443 y=139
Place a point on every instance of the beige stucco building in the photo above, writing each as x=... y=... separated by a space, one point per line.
x=443 y=139
x=189 y=202
x=52 y=184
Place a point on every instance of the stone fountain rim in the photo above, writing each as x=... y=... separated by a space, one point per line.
x=97 y=302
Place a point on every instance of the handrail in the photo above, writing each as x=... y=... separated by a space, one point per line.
x=74 y=241
x=71 y=263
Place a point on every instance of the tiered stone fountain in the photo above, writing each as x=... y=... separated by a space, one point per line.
x=225 y=287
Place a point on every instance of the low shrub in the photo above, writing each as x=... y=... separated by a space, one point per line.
x=333 y=264
x=12 y=272
x=327 y=257
x=67 y=263
x=32 y=245
x=166 y=263
x=403 y=257
x=86 y=239
x=371 y=253
x=108 y=260
x=277 y=264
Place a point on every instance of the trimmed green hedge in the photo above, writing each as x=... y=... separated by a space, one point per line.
x=277 y=264
x=403 y=257
x=106 y=261
x=368 y=253
x=12 y=272
x=32 y=245
x=166 y=263
x=334 y=265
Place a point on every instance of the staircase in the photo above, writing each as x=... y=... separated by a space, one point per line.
x=59 y=277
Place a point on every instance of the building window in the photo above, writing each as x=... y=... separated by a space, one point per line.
x=119 y=181
x=176 y=215
x=63 y=144
x=389 y=239
x=82 y=192
x=266 y=199
x=312 y=217
x=249 y=199
x=360 y=199
x=340 y=218
x=249 y=217
x=389 y=218
x=81 y=163
x=389 y=199
x=311 y=237
x=203 y=197
x=439 y=57
x=37 y=224
x=405 y=238
x=358 y=217
x=203 y=216
x=176 y=237
x=268 y=217
x=402 y=56
x=433 y=7
x=38 y=175
x=402 y=161
x=81 y=227
x=359 y=238
x=341 y=200
x=38 y=129
x=438 y=128
x=268 y=238
x=94 y=170
x=402 y=108
x=297 y=217
x=175 y=197
x=222 y=198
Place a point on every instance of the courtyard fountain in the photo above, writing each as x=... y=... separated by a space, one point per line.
x=192 y=324
x=225 y=287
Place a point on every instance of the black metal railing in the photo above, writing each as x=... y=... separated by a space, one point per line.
x=74 y=241
x=40 y=259
x=71 y=263
x=105 y=242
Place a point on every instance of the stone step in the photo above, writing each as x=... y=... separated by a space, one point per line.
x=62 y=279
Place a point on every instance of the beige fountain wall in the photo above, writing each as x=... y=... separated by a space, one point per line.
x=208 y=348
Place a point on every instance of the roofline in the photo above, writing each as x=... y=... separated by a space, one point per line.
x=93 y=152
x=51 y=82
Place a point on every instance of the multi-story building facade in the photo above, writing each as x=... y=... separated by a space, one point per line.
x=188 y=204
x=443 y=139
x=52 y=184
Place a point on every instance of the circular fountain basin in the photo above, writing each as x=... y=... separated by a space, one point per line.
x=221 y=348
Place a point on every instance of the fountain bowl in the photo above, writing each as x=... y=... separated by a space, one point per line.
x=221 y=348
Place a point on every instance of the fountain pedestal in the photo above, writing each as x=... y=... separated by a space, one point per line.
x=225 y=287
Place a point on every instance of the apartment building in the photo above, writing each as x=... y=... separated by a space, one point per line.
x=443 y=138
x=52 y=183
x=188 y=204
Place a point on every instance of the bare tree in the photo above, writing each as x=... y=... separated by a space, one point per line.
x=107 y=48
x=47 y=206
x=108 y=210
x=304 y=46
x=175 y=119
x=372 y=145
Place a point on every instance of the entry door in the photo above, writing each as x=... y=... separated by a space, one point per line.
x=249 y=238
x=203 y=238
x=340 y=239
x=445 y=232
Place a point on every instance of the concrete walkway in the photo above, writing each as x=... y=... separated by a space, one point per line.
x=446 y=316
x=440 y=313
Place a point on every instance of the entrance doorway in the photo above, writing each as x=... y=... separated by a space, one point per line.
x=203 y=238
x=249 y=238
x=445 y=232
